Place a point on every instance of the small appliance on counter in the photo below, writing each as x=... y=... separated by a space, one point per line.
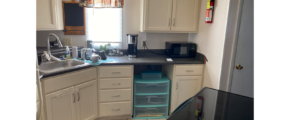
x=180 y=49
x=132 y=43
x=90 y=44
x=86 y=53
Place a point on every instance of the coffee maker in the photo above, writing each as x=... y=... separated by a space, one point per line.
x=132 y=43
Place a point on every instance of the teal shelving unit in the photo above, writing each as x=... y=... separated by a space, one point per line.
x=151 y=98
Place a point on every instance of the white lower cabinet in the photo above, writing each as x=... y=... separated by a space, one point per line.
x=186 y=81
x=73 y=103
x=186 y=87
x=86 y=101
x=115 y=92
x=60 y=105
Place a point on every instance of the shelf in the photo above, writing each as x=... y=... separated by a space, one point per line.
x=150 y=105
x=151 y=93
x=138 y=79
x=150 y=117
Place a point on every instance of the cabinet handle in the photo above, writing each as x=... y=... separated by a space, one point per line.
x=116 y=83
x=74 y=98
x=78 y=97
x=189 y=70
x=116 y=95
x=173 y=21
x=176 y=85
x=116 y=72
x=168 y=21
x=116 y=109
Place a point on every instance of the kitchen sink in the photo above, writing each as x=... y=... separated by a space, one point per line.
x=53 y=67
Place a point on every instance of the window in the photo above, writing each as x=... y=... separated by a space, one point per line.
x=104 y=26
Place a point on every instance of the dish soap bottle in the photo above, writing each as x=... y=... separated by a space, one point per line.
x=67 y=53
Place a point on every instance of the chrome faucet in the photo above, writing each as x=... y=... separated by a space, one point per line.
x=48 y=44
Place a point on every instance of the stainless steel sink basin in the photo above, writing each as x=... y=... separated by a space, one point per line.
x=60 y=66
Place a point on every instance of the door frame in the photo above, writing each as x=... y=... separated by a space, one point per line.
x=230 y=44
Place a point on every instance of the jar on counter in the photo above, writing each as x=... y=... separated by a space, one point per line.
x=107 y=3
x=98 y=3
x=90 y=3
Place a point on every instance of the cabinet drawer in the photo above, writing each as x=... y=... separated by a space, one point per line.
x=151 y=99
x=151 y=88
x=115 y=71
x=58 y=82
x=188 y=70
x=115 y=95
x=116 y=83
x=116 y=108
x=142 y=112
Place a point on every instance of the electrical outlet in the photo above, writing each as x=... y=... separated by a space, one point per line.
x=67 y=41
x=143 y=43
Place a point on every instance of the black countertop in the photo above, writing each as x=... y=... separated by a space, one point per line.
x=144 y=58
x=153 y=59
x=216 y=105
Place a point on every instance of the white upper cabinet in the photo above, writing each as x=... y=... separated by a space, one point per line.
x=49 y=15
x=169 y=16
x=157 y=15
x=185 y=15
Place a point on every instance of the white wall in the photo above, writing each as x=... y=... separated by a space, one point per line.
x=210 y=39
x=131 y=25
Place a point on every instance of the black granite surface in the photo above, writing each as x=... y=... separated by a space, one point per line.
x=144 y=58
x=153 y=59
x=216 y=105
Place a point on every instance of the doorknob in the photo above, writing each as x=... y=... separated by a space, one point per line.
x=239 y=67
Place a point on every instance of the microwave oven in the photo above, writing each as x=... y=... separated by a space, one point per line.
x=180 y=49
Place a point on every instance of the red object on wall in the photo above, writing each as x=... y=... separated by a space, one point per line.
x=209 y=12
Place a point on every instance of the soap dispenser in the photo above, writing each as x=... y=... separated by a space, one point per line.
x=67 y=53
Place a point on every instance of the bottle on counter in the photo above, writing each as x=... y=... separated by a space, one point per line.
x=113 y=2
x=74 y=52
x=67 y=53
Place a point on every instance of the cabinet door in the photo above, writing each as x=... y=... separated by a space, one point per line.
x=86 y=102
x=186 y=87
x=60 y=105
x=157 y=15
x=49 y=15
x=185 y=16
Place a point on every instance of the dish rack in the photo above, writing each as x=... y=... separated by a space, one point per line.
x=151 y=98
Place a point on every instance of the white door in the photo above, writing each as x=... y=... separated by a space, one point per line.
x=158 y=15
x=86 y=102
x=186 y=87
x=60 y=105
x=243 y=79
x=185 y=15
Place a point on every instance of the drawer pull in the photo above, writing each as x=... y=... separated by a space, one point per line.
x=116 y=83
x=116 y=109
x=116 y=72
x=189 y=70
x=152 y=84
x=116 y=95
